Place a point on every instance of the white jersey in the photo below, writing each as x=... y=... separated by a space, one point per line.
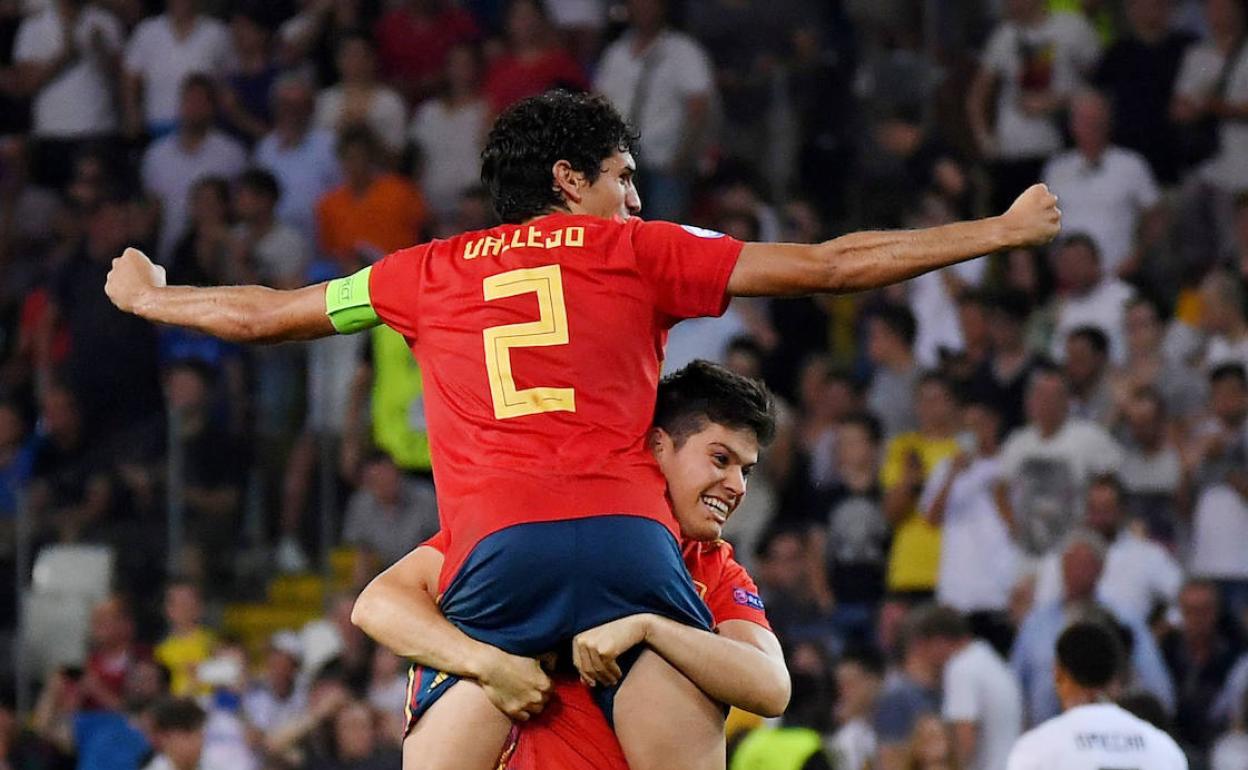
x=1098 y=736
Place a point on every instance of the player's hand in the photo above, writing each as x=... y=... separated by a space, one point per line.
x=517 y=686
x=1034 y=219
x=594 y=652
x=132 y=275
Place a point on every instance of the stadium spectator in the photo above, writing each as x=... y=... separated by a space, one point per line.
x=310 y=37
x=187 y=641
x=1149 y=364
x=1152 y=469
x=1083 y=558
x=277 y=698
x=1109 y=191
x=787 y=583
x=533 y=62
x=1231 y=749
x=1137 y=574
x=298 y=154
x=859 y=675
x=265 y=250
x=415 y=39
x=978 y=560
x=1087 y=296
x=911 y=690
x=980 y=699
x=909 y=459
x=358 y=99
x=1200 y=655
x=387 y=694
x=245 y=90
x=201 y=256
x=67 y=57
x=798 y=740
x=20 y=747
x=173 y=164
x=389 y=513
x=30 y=212
x=1224 y=320
x=213 y=467
x=355 y=742
x=891 y=332
x=1137 y=74
x=1217 y=458
x=1003 y=377
x=178 y=735
x=449 y=132
x=850 y=537
x=662 y=80
x=114 y=652
x=825 y=398
x=1086 y=365
x=372 y=213
x=1046 y=465
x=162 y=53
x=1239 y=249
x=1034 y=61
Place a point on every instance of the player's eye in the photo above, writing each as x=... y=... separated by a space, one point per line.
x=721 y=460
x=747 y=470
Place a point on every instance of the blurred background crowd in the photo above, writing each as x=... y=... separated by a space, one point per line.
x=1023 y=439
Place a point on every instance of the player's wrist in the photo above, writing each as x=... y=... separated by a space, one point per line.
x=480 y=662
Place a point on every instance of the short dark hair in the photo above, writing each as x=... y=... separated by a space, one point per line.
x=181 y=714
x=1081 y=239
x=743 y=343
x=1095 y=337
x=357 y=134
x=1110 y=480
x=1013 y=303
x=866 y=657
x=1090 y=653
x=261 y=181
x=1229 y=371
x=704 y=392
x=898 y=320
x=937 y=621
x=533 y=134
x=935 y=377
x=200 y=80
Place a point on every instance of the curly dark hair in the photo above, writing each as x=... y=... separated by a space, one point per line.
x=533 y=134
x=703 y=392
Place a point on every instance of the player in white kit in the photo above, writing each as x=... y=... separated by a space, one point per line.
x=1092 y=733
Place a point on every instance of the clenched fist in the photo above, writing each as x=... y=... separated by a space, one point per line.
x=1034 y=219
x=132 y=274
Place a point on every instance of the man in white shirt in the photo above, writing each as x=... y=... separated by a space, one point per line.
x=1138 y=573
x=172 y=165
x=1106 y=191
x=981 y=698
x=662 y=81
x=1089 y=296
x=301 y=156
x=1046 y=464
x=67 y=56
x=1092 y=733
x=162 y=52
x=859 y=679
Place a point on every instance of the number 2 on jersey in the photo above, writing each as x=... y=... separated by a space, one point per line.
x=550 y=329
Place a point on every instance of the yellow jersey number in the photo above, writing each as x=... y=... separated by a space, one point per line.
x=550 y=329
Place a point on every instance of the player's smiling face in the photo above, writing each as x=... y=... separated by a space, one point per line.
x=613 y=194
x=706 y=476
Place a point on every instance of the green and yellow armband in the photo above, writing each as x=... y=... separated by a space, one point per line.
x=348 y=305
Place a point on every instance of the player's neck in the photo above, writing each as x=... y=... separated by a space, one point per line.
x=1083 y=697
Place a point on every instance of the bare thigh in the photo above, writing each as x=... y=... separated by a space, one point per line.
x=664 y=722
x=462 y=731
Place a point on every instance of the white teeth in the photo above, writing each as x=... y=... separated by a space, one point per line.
x=718 y=505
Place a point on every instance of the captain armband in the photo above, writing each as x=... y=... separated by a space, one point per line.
x=348 y=305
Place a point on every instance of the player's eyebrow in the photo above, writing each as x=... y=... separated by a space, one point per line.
x=736 y=456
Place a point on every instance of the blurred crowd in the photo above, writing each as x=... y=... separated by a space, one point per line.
x=966 y=461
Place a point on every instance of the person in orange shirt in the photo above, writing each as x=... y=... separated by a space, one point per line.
x=373 y=212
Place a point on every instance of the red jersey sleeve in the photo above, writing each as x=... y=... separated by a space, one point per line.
x=734 y=596
x=393 y=284
x=438 y=542
x=687 y=267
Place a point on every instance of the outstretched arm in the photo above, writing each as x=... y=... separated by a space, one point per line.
x=250 y=314
x=869 y=260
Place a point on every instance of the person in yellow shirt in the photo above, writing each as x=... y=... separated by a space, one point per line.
x=188 y=642
x=914 y=560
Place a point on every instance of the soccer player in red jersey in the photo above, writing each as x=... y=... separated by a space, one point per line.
x=709 y=425
x=540 y=343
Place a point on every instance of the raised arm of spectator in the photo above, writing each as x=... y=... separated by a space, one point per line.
x=977 y=112
x=397 y=609
x=872 y=259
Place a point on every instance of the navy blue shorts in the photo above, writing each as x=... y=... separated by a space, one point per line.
x=530 y=588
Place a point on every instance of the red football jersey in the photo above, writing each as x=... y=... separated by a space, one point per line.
x=572 y=733
x=540 y=347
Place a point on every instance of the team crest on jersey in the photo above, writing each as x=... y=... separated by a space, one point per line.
x=701 y=232
x=747 y=598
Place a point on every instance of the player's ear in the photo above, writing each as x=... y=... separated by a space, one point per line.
x=566 y=181
x=658 y=440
